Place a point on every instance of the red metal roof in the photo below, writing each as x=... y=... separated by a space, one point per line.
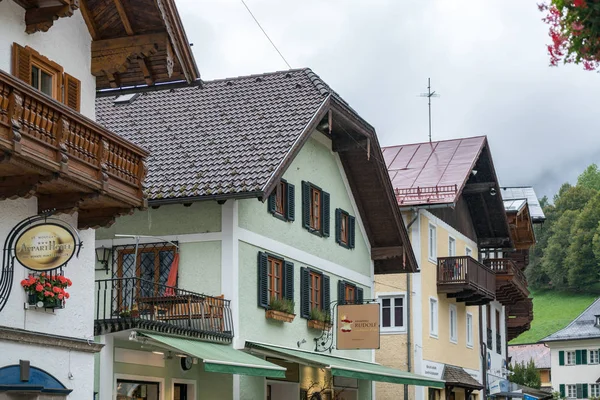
x=432 y=173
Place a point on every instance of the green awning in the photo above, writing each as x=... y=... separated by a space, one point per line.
x=221 y=358
x=348 y=368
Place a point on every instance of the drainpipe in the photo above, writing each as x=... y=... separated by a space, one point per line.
x=408 y=303
x=483 y=356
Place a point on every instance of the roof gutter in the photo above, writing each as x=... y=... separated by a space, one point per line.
x=145 y=88
x=427 y=207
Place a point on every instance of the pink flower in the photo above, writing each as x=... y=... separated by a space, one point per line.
x=24 y=283
x=56 y=289
x=67 y=295
x=39 y=288
x=60 y=296
x=577 y=26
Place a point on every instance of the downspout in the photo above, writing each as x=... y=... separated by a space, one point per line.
x=408 y=303
x=483 y=345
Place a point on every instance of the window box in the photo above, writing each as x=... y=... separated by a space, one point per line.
x=51 y=304
x=319 y=325
x=279 y=316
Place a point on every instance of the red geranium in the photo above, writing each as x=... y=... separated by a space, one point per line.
x=46 y=286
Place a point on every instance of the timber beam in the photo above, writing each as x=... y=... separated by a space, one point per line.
x=41 y=15
x=112 y=56
x=100 y=217
x=481 y=187
x=386 y=253
x=65 y=203
x=25 y=186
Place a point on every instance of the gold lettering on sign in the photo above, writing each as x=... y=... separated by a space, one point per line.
x=45 y=247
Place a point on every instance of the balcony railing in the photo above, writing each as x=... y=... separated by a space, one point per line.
x=511 y=283
x=466 y=279
x=128 y=303
x=498 y=343
x=489 y=338
x=50 y=141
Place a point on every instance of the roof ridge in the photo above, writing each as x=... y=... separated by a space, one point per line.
x=575 y=319
x=233 y=78
x=434 y=141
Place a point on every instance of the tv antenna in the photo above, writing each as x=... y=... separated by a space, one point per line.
x=429 y=95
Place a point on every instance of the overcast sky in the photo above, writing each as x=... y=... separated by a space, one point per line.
x=487 y=59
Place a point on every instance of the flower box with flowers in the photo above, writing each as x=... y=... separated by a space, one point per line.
x=46 y=290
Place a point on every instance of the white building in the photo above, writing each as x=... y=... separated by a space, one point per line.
x=575 y=366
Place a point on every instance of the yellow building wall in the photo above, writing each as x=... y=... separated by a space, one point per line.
x=441 y=349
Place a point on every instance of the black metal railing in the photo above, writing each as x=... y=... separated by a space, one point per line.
x=498 y=343
x=489 y=338
x=126 y=303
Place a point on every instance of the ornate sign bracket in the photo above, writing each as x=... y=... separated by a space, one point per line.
x=9 y=255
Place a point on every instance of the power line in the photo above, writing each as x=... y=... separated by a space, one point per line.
x=263 y=31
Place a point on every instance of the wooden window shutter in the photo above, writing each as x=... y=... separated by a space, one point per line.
x=325 y=214
x=351 y=231
x=305 y=293
x=72 y=93
x=305 y=205
x=584 y=357
x=562 y=390
x=325 y=293
x=341 y=292
x=579 y=387
x=561 y=358
x=21 y=63
x=263 y=283
x=358 y=296
x=584 y=387
x=288 y=280
x=271 y=201
x=577 y=357
x=338 y=226
x=290 y=211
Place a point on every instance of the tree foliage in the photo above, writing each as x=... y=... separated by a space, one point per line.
x=567 y=253
x=526 y=375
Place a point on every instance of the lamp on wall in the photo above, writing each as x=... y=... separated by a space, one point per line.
x=103 y=256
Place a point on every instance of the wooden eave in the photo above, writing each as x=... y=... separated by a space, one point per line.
x=41 y=14
x=521 y=228
x=137 y=43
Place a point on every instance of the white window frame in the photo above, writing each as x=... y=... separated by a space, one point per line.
x=569 y=389
x=191 y=386
x=392 y=296
x=453 y=323
x=432 y=243
x=594 y=390
x=468 y=251
x=570 y=358
x=433 y=317
x=469 y=330
x=594 y=357
x=451 y=246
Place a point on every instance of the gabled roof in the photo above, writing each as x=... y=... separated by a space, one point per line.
x=582 y=327
x=527 y=193
x=437 y=174
x=234 y=138
x=456 y=376
x=539 y=353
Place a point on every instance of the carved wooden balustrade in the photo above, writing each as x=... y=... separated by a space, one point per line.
x=66 y=160
x=511 y=283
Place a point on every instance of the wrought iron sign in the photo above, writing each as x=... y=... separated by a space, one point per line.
x=40 y=243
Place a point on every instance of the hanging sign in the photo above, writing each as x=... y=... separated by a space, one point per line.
x=45 y=247
x=358 y=326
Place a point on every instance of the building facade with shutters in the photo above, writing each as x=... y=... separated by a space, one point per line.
x=574 y=356
x=449 y=196
x=63 y=175
x=269 y=208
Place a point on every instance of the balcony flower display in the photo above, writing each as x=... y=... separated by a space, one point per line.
x=46 y=290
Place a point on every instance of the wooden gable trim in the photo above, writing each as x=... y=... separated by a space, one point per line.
x=41 y=14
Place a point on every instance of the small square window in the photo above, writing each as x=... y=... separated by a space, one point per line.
x=572 y=391
x=595 y=390
x=571 y=360
x=392 y=313
x=594 y=357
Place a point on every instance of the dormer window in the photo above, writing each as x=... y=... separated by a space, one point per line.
x=597 y=323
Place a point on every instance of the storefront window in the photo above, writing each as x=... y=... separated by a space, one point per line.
x=137 y=390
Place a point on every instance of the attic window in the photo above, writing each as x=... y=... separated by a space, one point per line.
x=126 y=98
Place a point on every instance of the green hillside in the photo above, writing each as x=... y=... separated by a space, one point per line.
x=553 y=310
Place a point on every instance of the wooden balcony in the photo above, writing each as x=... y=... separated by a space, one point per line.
x=69 y=162
x=520 y=315
x=134 y=303
x=466 y=279
x=511 y=283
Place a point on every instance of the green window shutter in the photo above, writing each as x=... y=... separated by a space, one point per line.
x=578 y=357
x=358 y=294
x=290 y=211
x=304 y=293
x=263 y=284
x=288 y=280
x=562 y=390
x=341 y=292
x=325 y=292
x=584 y=357
x=579 y=391
x=351 y=231
x=338 y=226
x=271 y=202
x=305 y=205
x=325 y=213
x=561 y=358
x=585 y=390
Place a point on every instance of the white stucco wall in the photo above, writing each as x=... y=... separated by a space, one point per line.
x=572 y=374
x=496 y=370
x=67 y=43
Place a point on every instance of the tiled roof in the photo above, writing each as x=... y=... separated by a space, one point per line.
x=527 y=193
x=432 y=173
x=539 y=353
x=225 y=138
x=582 y=327
x=456 y=376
